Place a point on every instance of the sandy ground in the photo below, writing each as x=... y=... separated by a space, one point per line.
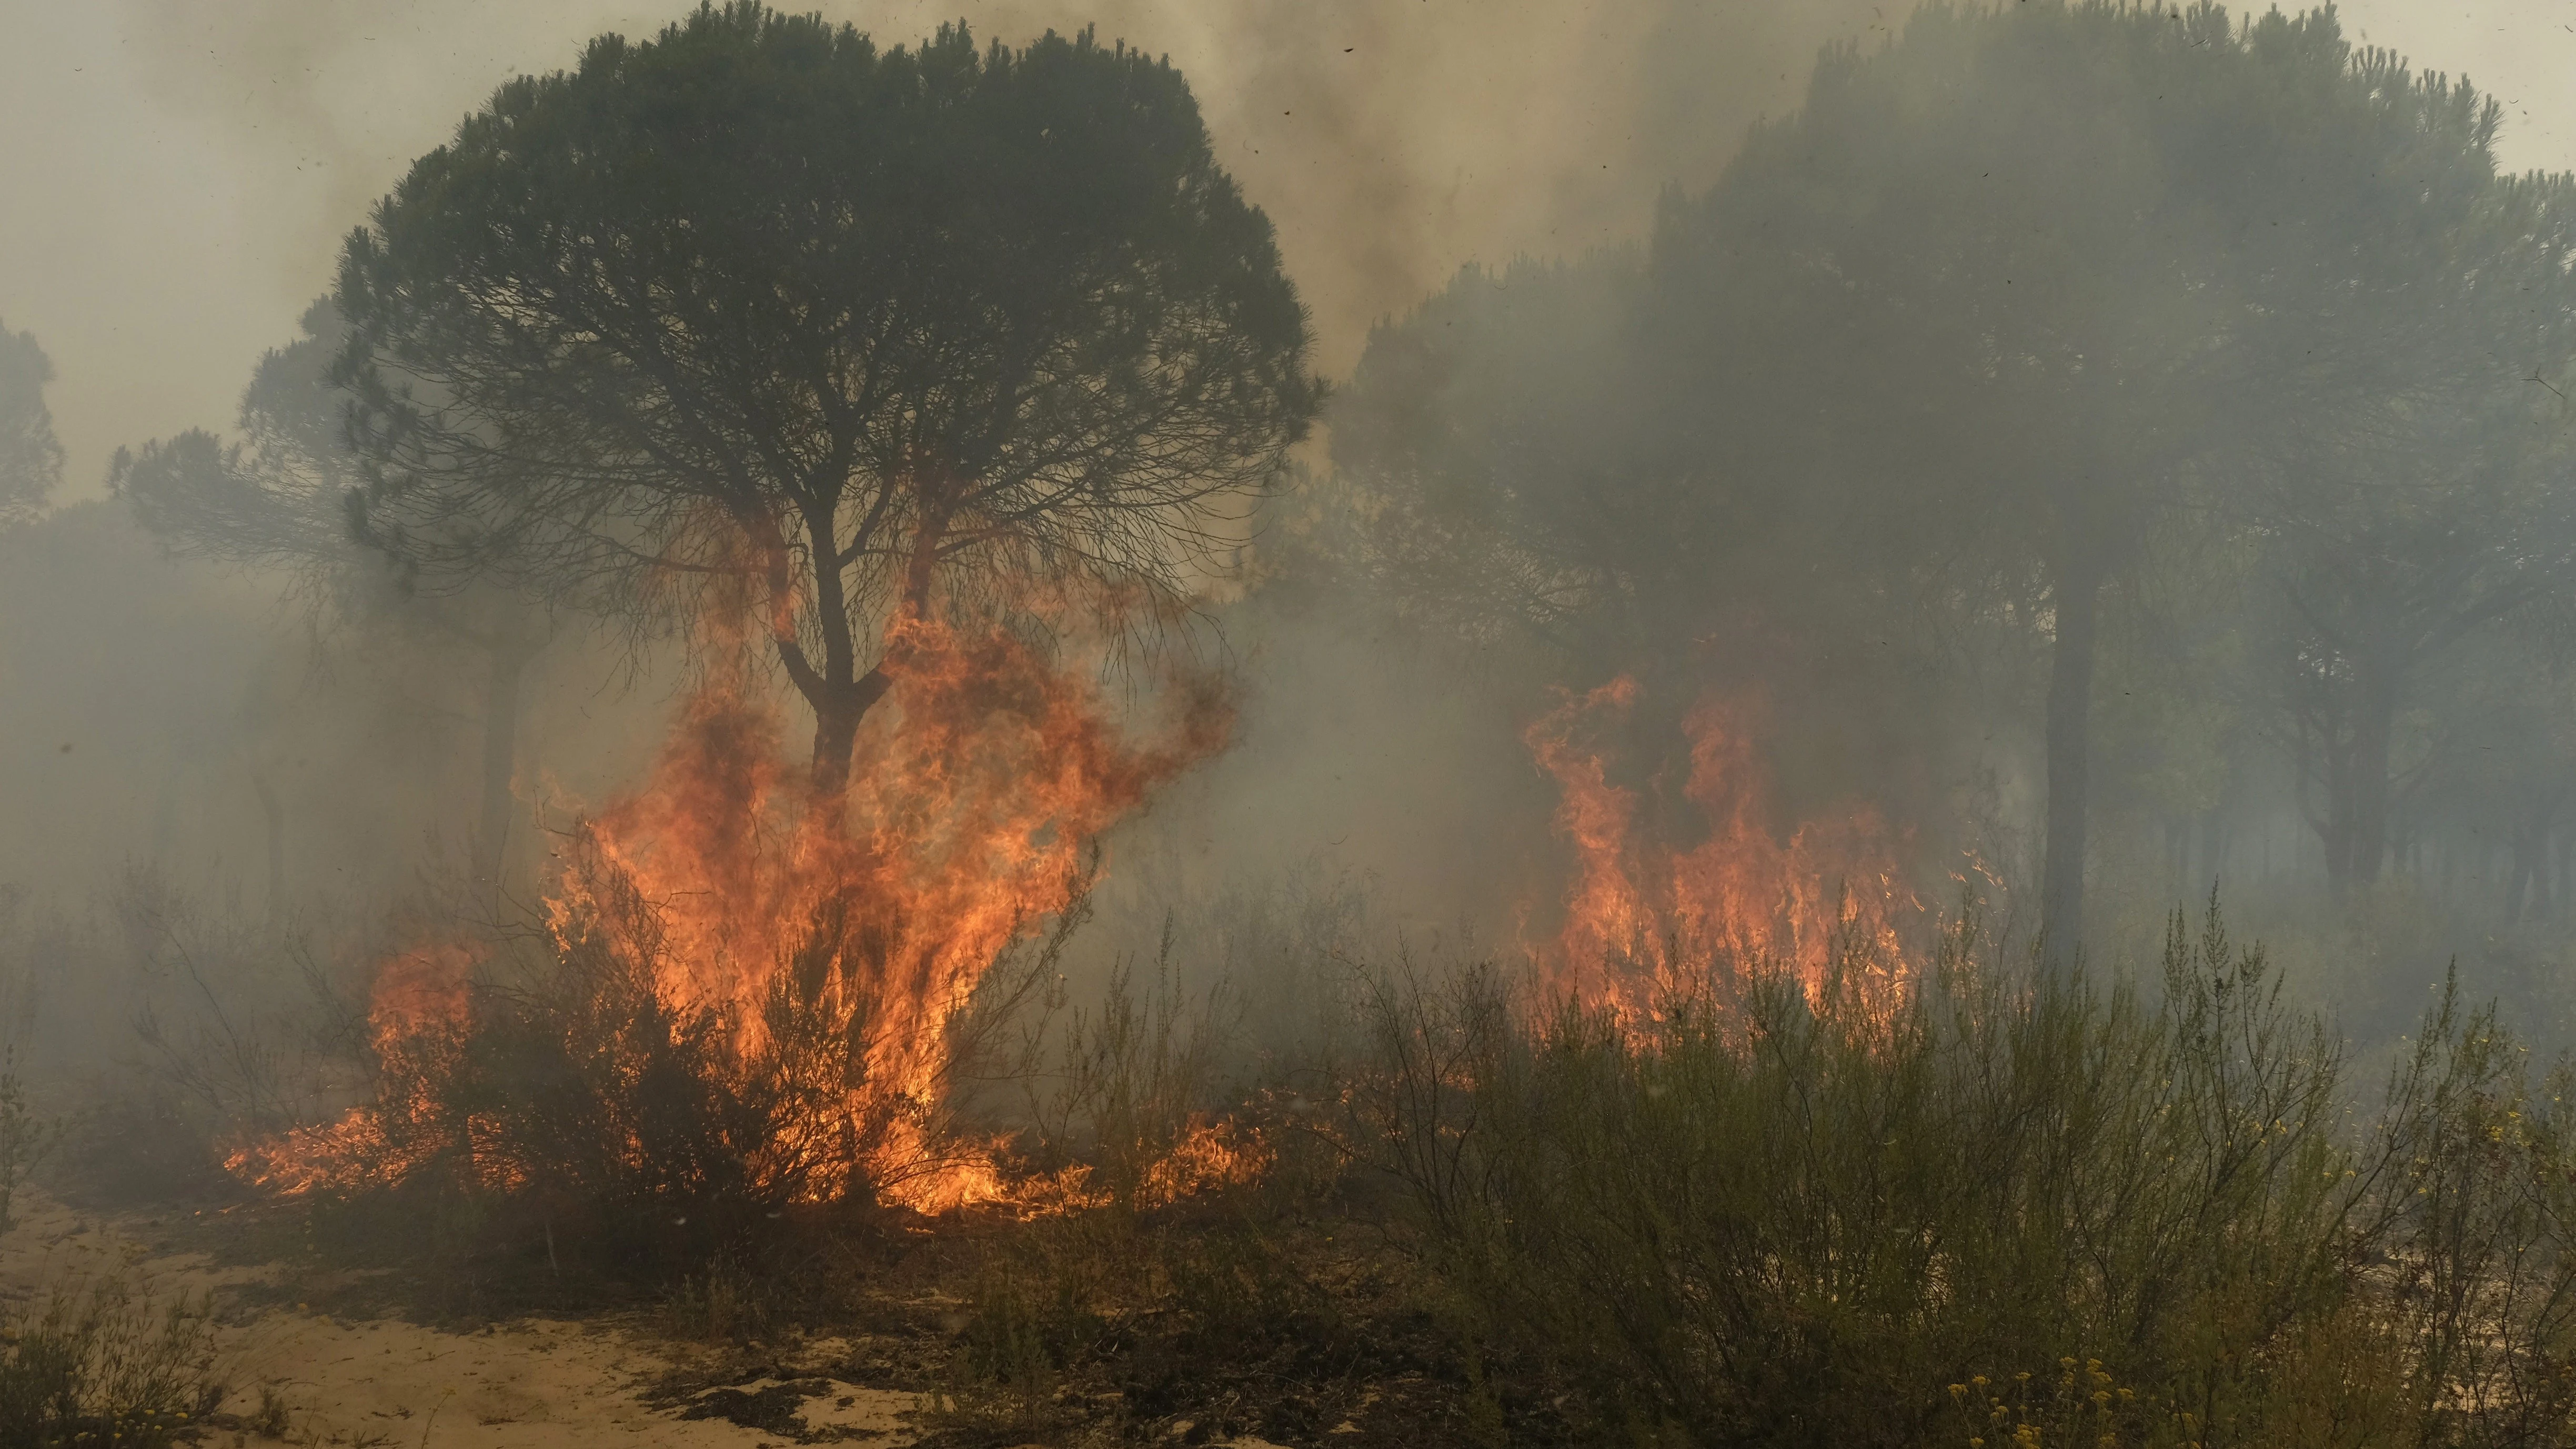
x=390 y=1384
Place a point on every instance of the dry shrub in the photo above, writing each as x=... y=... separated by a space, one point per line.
x=97 y=1362
x=1769 y=1216
x=1125 y=1115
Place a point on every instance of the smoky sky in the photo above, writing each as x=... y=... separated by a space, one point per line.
x=177 y=174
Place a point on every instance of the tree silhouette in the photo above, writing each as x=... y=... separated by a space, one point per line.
x=31 y=461
x=878 y=333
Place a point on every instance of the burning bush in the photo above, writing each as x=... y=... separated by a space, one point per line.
x=585 y=1091
x=1640 y=882
x=748 y=1000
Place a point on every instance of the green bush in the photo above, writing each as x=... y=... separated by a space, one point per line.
x=95 y=1363
x=1998 y=1209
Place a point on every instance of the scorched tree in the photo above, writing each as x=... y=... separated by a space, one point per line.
x=875 y=333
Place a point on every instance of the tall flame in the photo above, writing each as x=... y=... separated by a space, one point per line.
x=974 y=792
x=962 y=827
x=1737 y=888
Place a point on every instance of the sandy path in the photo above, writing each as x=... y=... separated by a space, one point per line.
x=389 y=1384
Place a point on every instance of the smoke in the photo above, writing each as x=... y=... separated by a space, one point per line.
x=203 y=161
x=194 y=167
x=215 y=155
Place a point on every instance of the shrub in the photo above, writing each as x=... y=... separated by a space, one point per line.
x=1775 y=1215
x=96 y=1363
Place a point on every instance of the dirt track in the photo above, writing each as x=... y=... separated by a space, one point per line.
x=533 y=1384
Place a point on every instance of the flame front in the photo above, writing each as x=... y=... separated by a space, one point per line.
x=781 y=920
x=1737 y=889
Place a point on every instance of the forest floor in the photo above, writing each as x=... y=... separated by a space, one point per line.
x=396 y=1358
x=353 y=1370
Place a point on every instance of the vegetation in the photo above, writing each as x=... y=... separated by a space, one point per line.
x=2006 y=1204
x=2040 y=1207
x=884 y=333
x=2119 y=447
x=96 y=1363
x=31 y=461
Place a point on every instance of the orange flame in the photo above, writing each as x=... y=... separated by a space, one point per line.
x=1738 y=889
x=964 y=823
x=974 y=792
x=417 y=1015
x=1211 y=1154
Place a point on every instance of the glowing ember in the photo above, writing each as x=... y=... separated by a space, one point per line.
x=1737 y=890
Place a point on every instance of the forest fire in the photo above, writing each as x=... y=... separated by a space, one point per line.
x=1637 y=900
x=1241 y=724
x=822 y=952
x=418 y=1014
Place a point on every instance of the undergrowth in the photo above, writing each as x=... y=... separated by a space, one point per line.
x=96 y=1363
x=2002 y=1210
x=2003 y=1207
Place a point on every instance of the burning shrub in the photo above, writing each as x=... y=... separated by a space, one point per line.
x=1736 y=886
x=584 y=1090
x=750 y=998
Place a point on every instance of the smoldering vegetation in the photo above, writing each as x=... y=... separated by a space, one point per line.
x=1929 y=804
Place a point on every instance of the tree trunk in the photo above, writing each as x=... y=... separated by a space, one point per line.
x=2070 y=706
x=508 y=658
x=838 y=693
x=2373 y=729
x=837 y=712
x=2531 y=896
x=272 y=814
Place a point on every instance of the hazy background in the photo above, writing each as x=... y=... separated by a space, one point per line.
x=178 y=174
x=178 y=179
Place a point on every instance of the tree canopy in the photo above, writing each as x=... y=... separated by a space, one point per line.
x=877 y=330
